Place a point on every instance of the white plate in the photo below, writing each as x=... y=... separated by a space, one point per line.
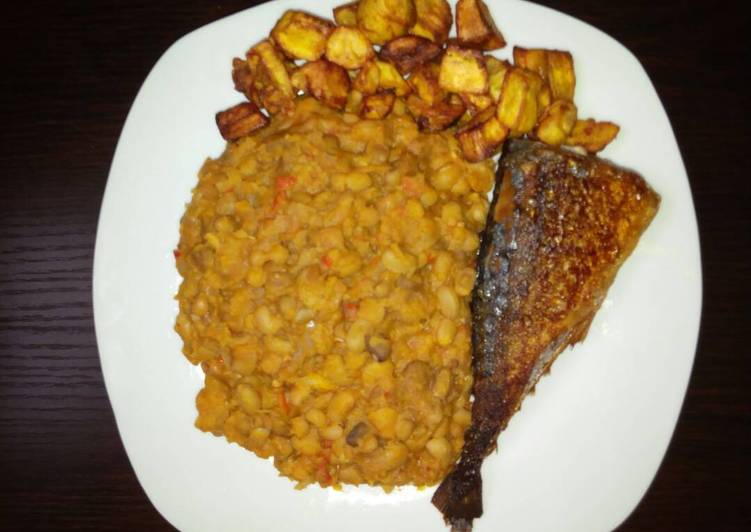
x=584 y=448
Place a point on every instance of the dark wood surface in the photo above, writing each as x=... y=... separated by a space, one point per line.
x=70 y=71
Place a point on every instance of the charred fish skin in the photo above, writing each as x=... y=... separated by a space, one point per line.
x=459 y=497
x=560 y=226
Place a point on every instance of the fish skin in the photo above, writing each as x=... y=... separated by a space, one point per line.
x=559 y=228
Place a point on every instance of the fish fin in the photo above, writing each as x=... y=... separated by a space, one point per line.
x=459 y=497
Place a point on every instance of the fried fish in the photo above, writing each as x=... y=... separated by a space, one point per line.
x=559 y=228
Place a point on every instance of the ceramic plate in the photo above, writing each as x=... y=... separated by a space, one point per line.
x=584 y=448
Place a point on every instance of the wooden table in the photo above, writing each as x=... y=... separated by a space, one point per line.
x=69 y=75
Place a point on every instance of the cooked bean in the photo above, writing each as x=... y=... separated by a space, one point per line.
x=355 y=433
x=440 y=448
x=404 y=427
x=356 y=335
x=244 y=359
x=332 y=432
x=271 y=363
x=316 y=417
x=442 y=383
x=397 y=261
x=384 y=420
x=414 y=379
x=464 y=281
x=248 y=398
x=200 y=306
x=371 y=310
x=308 y=446
x=379 y=347
x=340 y=405
x=448 y=302
x=256 y=276
x=445 y=332
x=267 y=321
x=299 y=426
x=327 y=267
x=446 y=176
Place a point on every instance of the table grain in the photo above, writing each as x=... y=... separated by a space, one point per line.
x=70 y=71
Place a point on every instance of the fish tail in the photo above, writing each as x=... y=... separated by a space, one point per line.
x=459 y=496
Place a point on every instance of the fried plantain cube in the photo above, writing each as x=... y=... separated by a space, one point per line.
x=496 y=73
x=367 y=78
x=242 y=77
x=517 y=106
x=532 y=109
x=400 y=107
x=349 y=48
x=271 y=82
x=556 y=122
x=325 y=81
x=436 y=116
x=475 y=27
x=346 y=14
x=409 y=51
x=554 y=66
x=544 y=99
x=383 y=20
x=301 y=35
x=482 y=136
x=534 y=59
x=240 y=120
x=561 y=76
x=591 y=135
x=389 y=78
x=433 y=20
x=354 y=102
x=476 y=103
x=463 y=70
x=376 y=106
x=424 y=83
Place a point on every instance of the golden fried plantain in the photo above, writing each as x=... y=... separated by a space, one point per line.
x=400 y=107
x=424 y=82
x=354 y=102
x=346 y=14
x=496 y=73
x=476 y=102
x=554 y=66
x=436 y=116
x=517 y=106
x=409 y=51
x=325 y=81
x=377 y=76
x=376 y=106
x=561 y=76
x=271 y=83
x=544 y=98
x=482 y=136
x=383 y=20
x=534 y=59
x=301 y=35
x=556 y=122
x=433 y=20
x=242 y=77
x=532 y=109
x=591 y=135
x=475 y=27
x=349 y=47
x=240 y=120
x=389 y=78
x=367 y=78
x=463 y=70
